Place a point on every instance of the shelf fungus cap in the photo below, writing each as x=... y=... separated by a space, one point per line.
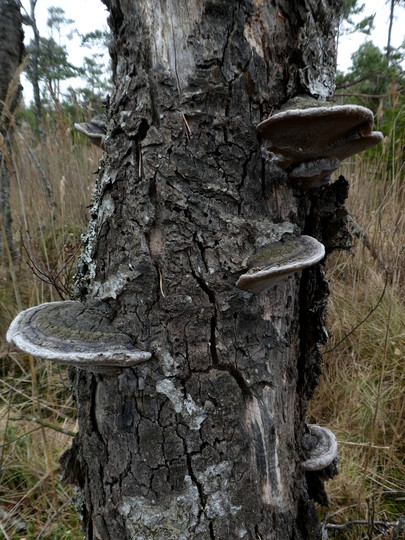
x=71 y=333
x=95 y=129
x=311 y=133
x=278 y=260
x=326 y=132
x=357 y=144
x=321 y=448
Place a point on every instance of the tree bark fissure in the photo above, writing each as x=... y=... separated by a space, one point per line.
x=215 y=355
x=202 y=441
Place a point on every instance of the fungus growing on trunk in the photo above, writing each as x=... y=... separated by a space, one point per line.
x=311 y=141
x=313 y=173
x=74 y=334
x=278 y=260
x=355 y=145
x=95 y=129
x=321 y=448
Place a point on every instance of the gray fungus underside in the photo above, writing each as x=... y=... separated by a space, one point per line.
x=201 y=441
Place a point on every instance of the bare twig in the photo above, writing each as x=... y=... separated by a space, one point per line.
x=361 y=234
x=8 y=443
x=356 y=94
x=366 y=445
x=357 y=81
x=188 y=129
x=358 y=231
x=363 y=320
x=359 y=523
x=44 y=423
x=58 y=274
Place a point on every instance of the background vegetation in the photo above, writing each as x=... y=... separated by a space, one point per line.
x=361 y=393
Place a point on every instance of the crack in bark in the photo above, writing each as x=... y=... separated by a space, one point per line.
x=153 y=95
x=195 y=480
x=93 y=407
x=101 y=527
x=263 y=178
x=193 y=477
x=241 y=184
x=232 y=370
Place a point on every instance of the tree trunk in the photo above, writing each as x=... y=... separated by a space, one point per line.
x=11 y=51
x=203 y=441
x=35 y=75
x=388 y=53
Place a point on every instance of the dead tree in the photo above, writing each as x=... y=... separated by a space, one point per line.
x=200 y=432
x=204 y=440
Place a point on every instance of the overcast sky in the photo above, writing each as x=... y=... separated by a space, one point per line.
x=350 y=43
x=90 y=15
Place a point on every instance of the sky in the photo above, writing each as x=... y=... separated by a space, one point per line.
x=90 y=15
x=350 y=43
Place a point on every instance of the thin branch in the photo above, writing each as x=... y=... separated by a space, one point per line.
x=360 y=522
x=356 y=94
x=366 y=445
x=361 y=79
x=365 y=318
x=9 y=443
x=58 y=274
x=361 y=234
x=44 y=423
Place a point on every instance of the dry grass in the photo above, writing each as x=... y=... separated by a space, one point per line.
x=360 y=397
x=51 y=189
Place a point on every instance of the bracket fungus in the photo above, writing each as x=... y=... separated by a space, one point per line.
x=321 y=448
x=313 y=173
x=95 y=129
x=312 y=138
x=74 y=334
x=278 y=260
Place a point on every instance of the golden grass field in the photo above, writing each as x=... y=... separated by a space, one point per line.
x=361 y=393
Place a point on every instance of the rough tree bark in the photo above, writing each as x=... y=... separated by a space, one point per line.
x=203 y=441
x=11 y=52
x=32 y=21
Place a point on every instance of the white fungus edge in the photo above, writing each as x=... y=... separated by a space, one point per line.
x=278 y=271
x=119 y=357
